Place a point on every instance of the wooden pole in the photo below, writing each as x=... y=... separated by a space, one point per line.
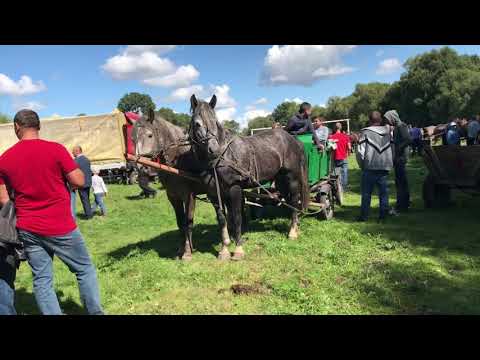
x=162 y=167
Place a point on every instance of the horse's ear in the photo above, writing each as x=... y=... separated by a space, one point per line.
x=213 y=101
x=193 y=102
x=151 y=115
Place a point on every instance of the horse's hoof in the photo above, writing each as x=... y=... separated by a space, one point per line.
x=186 y=257
x=238 y=255
x=224 y=255
x=293 y=235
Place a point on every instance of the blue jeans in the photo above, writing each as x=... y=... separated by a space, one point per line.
x=71 y=250
x=343 y=164
x=370 y=179
x=7 y=298
x=73 y=203
x=99 y=202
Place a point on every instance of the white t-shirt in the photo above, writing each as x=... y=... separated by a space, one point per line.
x=98 y=185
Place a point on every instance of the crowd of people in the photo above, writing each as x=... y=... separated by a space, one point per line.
x=44 y=193
x=454 y=131
x=382 y=146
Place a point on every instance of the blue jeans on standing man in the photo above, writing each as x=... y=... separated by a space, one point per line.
x=100 y=203
x=370 y=179
x=343 y=164
x=71 y=250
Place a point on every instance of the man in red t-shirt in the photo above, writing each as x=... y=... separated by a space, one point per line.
x=340 y=155
x=38 y=172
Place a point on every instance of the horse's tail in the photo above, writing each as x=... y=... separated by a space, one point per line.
x=305 y=189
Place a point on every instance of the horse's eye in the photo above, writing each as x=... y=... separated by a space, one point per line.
x=150 y=135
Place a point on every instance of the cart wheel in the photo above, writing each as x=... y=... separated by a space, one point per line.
x=428 y=192
x=327 y=212
x=435 y=195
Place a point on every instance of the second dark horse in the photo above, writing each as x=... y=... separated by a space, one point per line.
x=270 y=155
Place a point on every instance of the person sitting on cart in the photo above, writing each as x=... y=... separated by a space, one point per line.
x=321 y=130
x=300 y=123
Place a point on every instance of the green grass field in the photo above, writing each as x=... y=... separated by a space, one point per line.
x=426 y=262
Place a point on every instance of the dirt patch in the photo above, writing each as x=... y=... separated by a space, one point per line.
x=305 y=283
x=340 y=280
x=250 y=289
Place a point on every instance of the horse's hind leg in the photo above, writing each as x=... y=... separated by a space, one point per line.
x=236 y=206
x=179 y=208
x=295 y=201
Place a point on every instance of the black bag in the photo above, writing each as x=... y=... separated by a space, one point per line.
x=8 y=222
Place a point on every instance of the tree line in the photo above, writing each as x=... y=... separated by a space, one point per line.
x=435 y=87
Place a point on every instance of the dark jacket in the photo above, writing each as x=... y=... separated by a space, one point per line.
x=299 y=125
x=401 y=137
x=84 y=165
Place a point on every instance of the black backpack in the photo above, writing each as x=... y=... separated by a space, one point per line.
x=8 y=222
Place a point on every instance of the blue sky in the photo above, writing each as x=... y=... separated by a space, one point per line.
x=248 y=80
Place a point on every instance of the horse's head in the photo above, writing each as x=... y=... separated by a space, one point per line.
x=145 y=136
x=206 y=133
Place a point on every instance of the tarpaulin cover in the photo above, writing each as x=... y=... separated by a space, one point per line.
x=101 y=136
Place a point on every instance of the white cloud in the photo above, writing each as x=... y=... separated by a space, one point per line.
x=226 y=113
x=183 y=76
x=261 y=101
x=295 y=100
x=303 y=64
x=158 y=49
x=184 y=93
x=388 y=66
x=226 y=104
x=32 y=105
x=379 y=53
x=224 y=100
x=24 y=86
x=252 y=114
x=143 y=63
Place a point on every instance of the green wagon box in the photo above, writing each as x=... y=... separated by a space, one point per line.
x=318 y=163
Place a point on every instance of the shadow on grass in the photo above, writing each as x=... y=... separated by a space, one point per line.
x=166 y=245
x=25 y=303
x=419 y=289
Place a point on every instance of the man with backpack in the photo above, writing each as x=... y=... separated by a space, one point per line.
x=38 y=172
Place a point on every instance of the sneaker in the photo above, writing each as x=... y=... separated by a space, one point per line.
x=393 y=212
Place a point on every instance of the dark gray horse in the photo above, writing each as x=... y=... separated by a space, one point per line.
x=270 y=155
x=156 y=138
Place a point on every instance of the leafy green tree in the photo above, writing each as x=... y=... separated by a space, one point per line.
x=283 y=112
x=436 y=86
x=338 y=107
x=5 y=119
x=182 y=120
x=135 y=101
x=232 y=125
x=259 y=122
x=82 y=114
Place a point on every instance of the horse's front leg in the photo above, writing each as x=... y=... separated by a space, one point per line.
x=236 y=207
x=190 y=213
x=224 y=253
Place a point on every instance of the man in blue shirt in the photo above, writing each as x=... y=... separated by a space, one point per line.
x=84 y=165
x=473 y=130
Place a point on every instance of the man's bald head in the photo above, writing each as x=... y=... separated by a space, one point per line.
x=338 y=127
x=77 y=150
x=375 y=118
